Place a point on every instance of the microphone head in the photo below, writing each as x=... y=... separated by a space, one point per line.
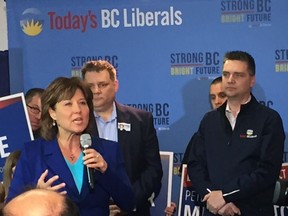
x=85 y=140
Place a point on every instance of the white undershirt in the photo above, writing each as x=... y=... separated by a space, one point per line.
x=232 y=119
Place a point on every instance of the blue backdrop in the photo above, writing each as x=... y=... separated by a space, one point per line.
x=166 y=52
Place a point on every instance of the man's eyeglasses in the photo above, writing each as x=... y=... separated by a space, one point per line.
x=34 y=110
x=100 y=86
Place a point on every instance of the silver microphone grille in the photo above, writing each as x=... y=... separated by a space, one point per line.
x=85 y=140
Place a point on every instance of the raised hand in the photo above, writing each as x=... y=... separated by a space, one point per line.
x=48 y=184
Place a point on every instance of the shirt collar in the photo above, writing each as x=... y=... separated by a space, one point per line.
x=228 y=107
x=114 y=113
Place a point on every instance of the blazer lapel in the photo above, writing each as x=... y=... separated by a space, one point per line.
x=57 y=166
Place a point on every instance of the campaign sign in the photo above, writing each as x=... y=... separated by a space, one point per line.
x=164 y=197
x=15 y=128
x=282 y=210
x=189 y=201
x=284 y=171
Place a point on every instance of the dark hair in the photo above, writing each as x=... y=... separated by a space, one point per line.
x=244 y=57
x=98 y=66
x=2 y=194
x=31 y=93
x=10 y=162
x=63 y=88
x=69 y=208
x=216 y=80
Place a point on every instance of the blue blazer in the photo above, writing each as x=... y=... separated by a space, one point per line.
x=39 y=155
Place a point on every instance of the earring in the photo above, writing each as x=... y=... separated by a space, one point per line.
x=53 y=124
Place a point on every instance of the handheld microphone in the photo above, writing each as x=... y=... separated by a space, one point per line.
x=85 y=141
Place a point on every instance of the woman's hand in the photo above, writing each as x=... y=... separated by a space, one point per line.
x=48 y=184
x=94 y=159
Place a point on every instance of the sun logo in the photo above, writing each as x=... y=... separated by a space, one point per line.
x=32 y=24
x=32 y=28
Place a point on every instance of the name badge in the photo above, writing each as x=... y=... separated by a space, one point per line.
x=124 y=126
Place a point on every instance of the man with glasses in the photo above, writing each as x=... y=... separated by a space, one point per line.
x=132 y=128
x=33 y=103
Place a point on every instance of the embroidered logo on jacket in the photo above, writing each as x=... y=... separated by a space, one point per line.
x=249 y=134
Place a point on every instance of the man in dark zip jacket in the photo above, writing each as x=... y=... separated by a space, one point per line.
x=236 y=156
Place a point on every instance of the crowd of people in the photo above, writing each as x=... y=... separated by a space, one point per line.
x=233 y=159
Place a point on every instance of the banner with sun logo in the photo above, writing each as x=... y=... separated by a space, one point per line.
x=31 y=24
x=166 y=53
